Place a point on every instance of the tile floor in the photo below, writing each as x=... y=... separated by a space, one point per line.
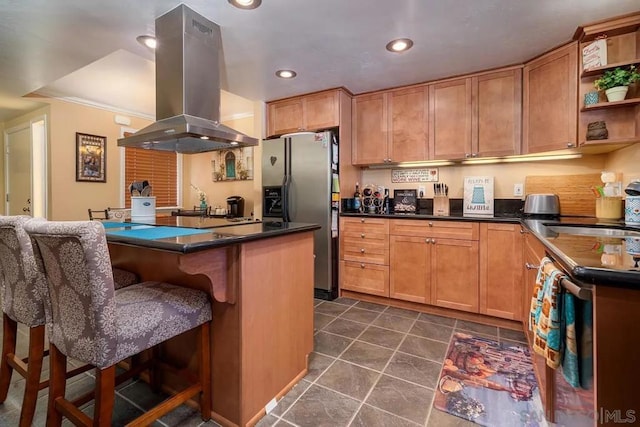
x=372 y=365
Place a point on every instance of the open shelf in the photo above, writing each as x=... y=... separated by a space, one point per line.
x=599 y=70
x=616 y=104
x=600 y=146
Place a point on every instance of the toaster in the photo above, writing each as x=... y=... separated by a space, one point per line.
x=542 y=204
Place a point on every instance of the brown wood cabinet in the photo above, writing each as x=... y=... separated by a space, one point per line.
x=364 y=255
x=435 y=262
x=501 y=287
x=550 y=101
x=410 y=268
x=309 y=112
x=496 y=128
x=391 y=126
x=450 y=115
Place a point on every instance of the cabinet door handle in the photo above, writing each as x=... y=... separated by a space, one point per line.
x=430 y=224
x=362 y=235
x=467 y=155
x=523 y=231
x=361 y=265
x=362 y=220
x=530 y=266
x=362 y=250
x=474 y=154
x=427 y=240
x=570 y=145
x=433 y=241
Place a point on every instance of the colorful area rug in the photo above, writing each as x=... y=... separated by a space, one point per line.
x=489 y=383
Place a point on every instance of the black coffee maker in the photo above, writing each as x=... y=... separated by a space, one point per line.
x=235 y=206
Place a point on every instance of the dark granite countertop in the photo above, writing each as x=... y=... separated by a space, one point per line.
x=507 y=217
x=185 y=239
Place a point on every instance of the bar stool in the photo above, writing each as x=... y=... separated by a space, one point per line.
x=22 y=286
x=94 y=323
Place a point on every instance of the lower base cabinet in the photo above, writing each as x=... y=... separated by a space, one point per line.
x=363 y=277
x=410 y=265
x=500 y=270
x=454 y=274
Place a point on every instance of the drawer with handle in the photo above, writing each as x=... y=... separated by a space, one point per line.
x=464 y=230
x=364 y=225
x=362 y=277
x=374 y=252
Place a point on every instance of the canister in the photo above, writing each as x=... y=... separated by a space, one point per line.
x=632 y=210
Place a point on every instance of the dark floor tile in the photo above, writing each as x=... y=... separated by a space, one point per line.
x=360 y=315
x=434 y=318
x=370 y=306
x=368 y=355
x=330 y=308
x=477 y=327
x=382 y=337
x=510 y=334
x=287 y=400
x=345 y=328
x=183 y=416
x=317 y=301
x=424 y=347
x=401 y=398
x=345 y=301
x=283 y=423
x=414 y=369
x=321 y=407
x=438 y=418
x=402 y=312
x=123 y=412
x=349 y=379
x=317 y=364
x=141 y=394
x=396 y=323
x=369 y=416
x=329 y=344
x=267 y=421
x=433 y=331
x=321 y=320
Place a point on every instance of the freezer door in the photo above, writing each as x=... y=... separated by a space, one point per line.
x=273 y=162
x=310 y=196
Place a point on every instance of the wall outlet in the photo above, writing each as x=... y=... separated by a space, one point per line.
x=421 y=190
x=518 y=190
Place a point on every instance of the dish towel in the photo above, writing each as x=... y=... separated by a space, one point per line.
x=577 y=358
x=545 y=317
x=570 y=365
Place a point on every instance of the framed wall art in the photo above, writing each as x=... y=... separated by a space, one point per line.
x=232 y=164
x=91 y=158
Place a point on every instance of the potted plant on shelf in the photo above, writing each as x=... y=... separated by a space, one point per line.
x=615 y=83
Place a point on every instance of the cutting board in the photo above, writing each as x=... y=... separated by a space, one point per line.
x=574 y=191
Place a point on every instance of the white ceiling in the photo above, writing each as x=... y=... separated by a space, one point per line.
x=45 y=44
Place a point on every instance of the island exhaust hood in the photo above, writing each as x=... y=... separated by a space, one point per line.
x=187 y=89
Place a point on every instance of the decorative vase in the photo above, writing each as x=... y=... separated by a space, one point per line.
x=590 y=98
x=203 y=205
x=617 y=93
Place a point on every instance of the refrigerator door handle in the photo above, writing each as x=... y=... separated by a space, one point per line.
x=286 y=181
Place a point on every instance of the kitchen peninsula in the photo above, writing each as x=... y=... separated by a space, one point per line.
x=260 y=278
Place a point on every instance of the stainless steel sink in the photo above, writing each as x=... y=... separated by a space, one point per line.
x=593 y=231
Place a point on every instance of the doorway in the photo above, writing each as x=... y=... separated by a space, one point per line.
x=26 y=169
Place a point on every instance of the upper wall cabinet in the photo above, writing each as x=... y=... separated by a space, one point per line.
x=497 y=114
x=622 y=118
x=310 y=112
x=550 y=101
x=450 y=119
x=390 y=127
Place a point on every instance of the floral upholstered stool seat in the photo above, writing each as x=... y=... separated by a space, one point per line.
x=99 y=325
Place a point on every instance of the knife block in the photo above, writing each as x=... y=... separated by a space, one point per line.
x=441 y=205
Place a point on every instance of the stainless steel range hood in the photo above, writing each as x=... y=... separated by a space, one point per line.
x=187 y=89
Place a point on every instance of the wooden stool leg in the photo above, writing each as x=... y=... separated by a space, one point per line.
x=154 y=372
x=9 y=330
x=57 y=384
x=204 y=352
x=34 y=368
x=105 y=396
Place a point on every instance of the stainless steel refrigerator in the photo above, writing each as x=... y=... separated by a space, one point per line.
x=299 y=175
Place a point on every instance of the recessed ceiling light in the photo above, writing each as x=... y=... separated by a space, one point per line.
x=148 y=41
x=234 y=143
x=245 y=4
x=399 y=45
x=204 y=137
x=286 y=74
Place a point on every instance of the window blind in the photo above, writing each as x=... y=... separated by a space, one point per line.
x=157 y=167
